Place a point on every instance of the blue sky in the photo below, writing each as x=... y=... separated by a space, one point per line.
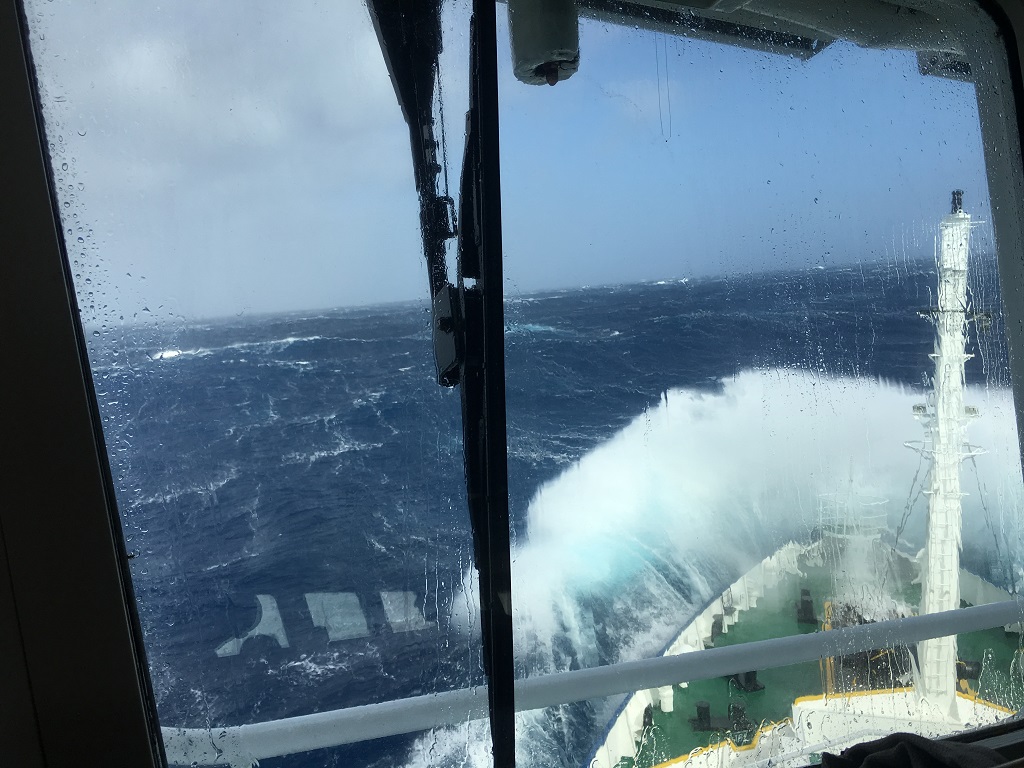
x=770 y=162
x=249 y=157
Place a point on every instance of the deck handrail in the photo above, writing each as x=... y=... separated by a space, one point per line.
x=239 y=746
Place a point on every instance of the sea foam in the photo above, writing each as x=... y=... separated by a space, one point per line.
x=628 y=544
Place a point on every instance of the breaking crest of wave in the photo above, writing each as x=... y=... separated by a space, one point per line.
x=172 y=353
x=628 y=544
x=206 y=490
x=342 y=446
x=513 y=328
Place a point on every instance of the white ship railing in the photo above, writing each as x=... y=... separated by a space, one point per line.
x=240 y=746
x=619 y=739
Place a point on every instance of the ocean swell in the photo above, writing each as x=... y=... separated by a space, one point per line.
x=625 y=546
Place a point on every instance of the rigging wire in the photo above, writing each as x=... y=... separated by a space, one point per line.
x=912 y=499
x=976 y=296
x=668 y=90
x=444 y=138
x=657 y=70
x=443 y=162
x=988 y=522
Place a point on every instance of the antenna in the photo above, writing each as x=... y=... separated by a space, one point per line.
x=958 y=201
x=946 y=423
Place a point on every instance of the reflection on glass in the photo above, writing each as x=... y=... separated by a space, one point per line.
x=719 y=252
x=719 y=242
x=239 y=209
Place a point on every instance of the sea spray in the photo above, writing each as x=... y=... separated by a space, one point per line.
x=628 y=544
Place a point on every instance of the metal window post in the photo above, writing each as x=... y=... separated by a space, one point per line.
x=483 y=378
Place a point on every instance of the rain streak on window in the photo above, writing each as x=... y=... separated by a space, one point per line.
x=240 y=214
x=723 y=255
x=739 y=291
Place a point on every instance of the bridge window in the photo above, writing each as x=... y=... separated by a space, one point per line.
x=759 y=394
x=242 y=224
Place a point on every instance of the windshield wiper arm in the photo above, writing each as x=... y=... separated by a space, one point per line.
x=468 y=322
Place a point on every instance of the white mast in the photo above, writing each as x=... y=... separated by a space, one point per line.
x=946 y=427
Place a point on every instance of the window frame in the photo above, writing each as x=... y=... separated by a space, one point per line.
x=63 y=560
x=84 y=694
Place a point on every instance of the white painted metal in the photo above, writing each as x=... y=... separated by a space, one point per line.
x=946 y=423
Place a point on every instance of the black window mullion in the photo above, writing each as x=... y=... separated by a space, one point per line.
x=66 y=579
x=483 y=379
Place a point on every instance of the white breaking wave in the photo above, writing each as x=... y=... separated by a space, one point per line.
x=513 y=328
x=278 y=344
x=662 y=516
x=206 y=491
x=170 y=354
x=312 y=667
x=341 y=447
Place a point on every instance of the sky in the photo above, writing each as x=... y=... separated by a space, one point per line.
x=231 y=158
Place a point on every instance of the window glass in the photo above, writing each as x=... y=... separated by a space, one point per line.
x=719 y=245
x=720 y=235
x=738 y=717
x=237 y=198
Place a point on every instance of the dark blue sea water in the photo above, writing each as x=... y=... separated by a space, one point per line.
x=661 y=438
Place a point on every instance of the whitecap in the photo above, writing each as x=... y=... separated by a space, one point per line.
x=174 y=352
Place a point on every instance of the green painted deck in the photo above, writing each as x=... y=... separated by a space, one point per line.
x=671 y=735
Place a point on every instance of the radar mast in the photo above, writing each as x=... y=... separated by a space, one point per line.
x=945 y=424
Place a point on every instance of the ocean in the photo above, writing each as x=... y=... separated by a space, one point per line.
x=663 y=437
